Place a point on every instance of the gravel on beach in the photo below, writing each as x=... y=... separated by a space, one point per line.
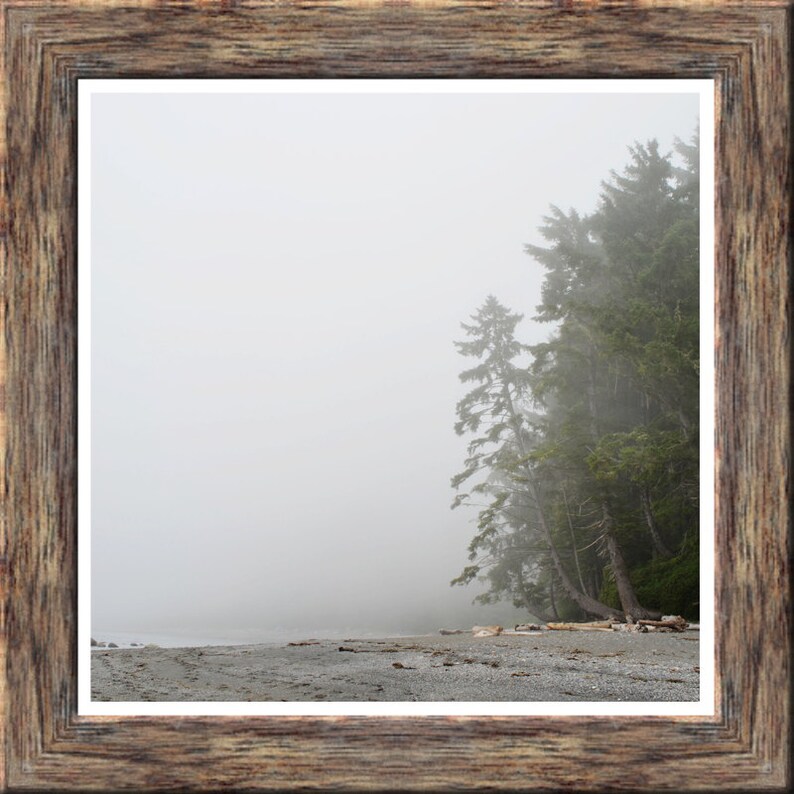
x=543 y=666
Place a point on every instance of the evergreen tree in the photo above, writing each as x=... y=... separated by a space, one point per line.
x=597 y=486
x=495 y=409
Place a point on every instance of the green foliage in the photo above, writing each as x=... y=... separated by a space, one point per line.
x=672 y=586
x=643 y=455
x=601 y=426
x=568 y=611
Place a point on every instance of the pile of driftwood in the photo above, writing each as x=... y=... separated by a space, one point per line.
x=667 y=623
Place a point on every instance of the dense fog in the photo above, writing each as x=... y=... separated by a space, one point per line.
x=277 y=282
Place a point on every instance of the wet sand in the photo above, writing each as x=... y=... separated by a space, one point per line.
x=544 y=666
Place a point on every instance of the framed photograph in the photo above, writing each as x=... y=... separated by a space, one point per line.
x=237 y=582
x=275 y=276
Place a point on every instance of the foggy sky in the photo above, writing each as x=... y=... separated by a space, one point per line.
x=277 y=281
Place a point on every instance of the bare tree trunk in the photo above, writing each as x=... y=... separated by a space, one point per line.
x=628 y=598
x=530 y=605
x=551 y=599
x=588 y=604
x=596 y=583
x=653 y=527
x=573 y=541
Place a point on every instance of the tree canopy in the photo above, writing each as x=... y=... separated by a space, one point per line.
x=583 y=462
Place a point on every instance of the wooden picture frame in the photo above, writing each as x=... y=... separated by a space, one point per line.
x=48 y=47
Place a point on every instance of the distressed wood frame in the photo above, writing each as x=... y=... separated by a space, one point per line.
x=47 y=47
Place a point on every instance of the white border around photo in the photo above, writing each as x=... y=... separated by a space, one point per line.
x=706 y=705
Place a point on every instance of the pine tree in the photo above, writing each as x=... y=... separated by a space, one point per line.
x=495 y=407
x=595 y=489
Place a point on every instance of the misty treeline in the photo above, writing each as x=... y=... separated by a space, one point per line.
x=583 y=453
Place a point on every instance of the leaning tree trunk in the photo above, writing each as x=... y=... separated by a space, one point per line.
x=529 y=604
x=584 y=601
x=653 y=527
x=573 y=541
x=588 y=604
x=538 y=612
x=552 y=602
x=628 y=598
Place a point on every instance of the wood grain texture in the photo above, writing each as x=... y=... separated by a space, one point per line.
x=47 y=47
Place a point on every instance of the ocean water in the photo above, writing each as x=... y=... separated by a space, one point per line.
x=176 y=638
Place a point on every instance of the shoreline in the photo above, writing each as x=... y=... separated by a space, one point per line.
x=555 y=666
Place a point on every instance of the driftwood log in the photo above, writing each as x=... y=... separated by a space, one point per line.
x=676 y=624
x=486 y=631
x=599 y=625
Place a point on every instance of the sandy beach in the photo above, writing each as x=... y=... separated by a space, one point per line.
x=542 y=666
